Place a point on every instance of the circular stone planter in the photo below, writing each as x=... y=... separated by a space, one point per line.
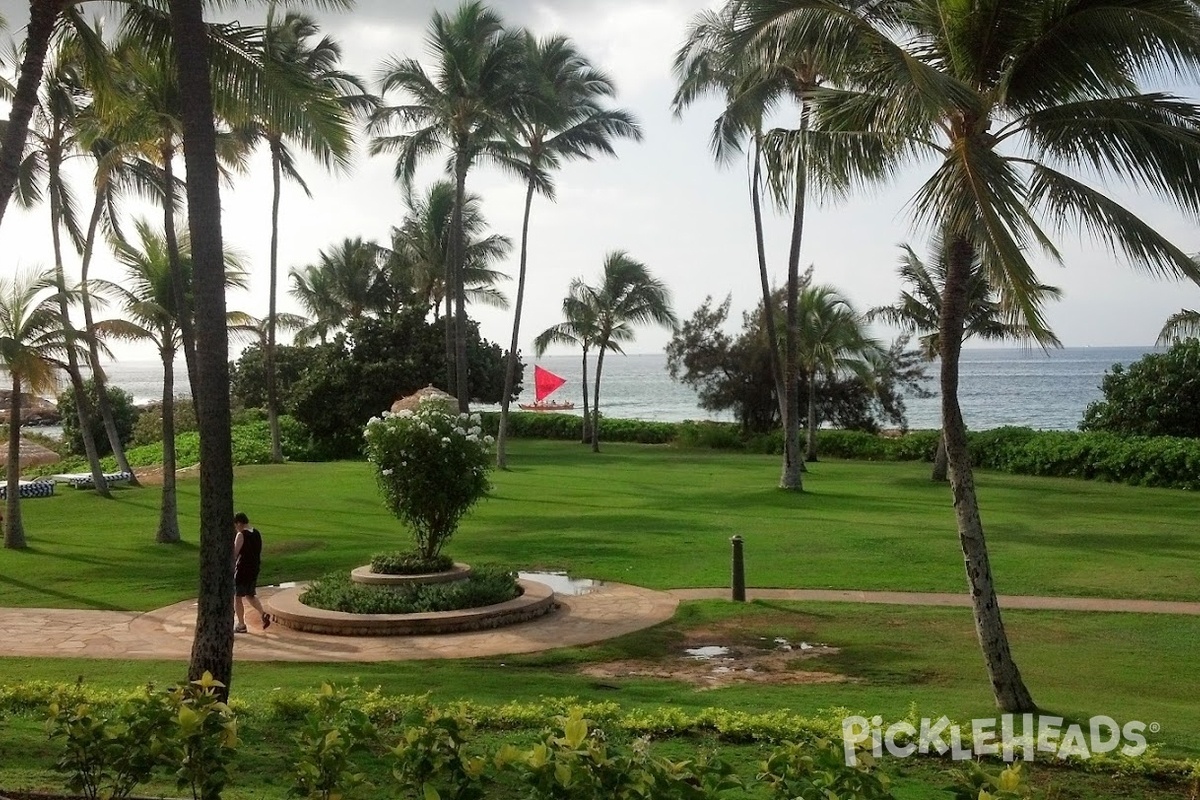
x=287 y=610
x=364 y=574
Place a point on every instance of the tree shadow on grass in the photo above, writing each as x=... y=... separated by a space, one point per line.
x=76 y=600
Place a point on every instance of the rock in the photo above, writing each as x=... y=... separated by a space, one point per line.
x=34 y=410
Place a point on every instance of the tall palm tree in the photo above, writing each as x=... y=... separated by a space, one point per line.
x=708 y=62
x=627 y=296
x=832 y=341
x=329 y=98
x=467 y=101
x=919 y=312
x=561 y=117
x=1015 y=101
x=578 y=328
x=32 y=346
x=1179 y=326
x=55 y=139
x=148 y=297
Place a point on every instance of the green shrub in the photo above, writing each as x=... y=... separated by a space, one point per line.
x=714 y=435
x=1155 y=396
x=542 y=425
x=409 y=563
x=331 y=735
x=148 y=428
x=124 y=413
x=485 y=587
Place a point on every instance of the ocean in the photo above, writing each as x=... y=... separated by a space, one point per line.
x=998 y=386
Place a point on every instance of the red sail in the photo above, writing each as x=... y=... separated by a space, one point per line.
x=546 y=383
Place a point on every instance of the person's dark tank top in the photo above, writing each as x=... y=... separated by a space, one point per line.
x=250 y=557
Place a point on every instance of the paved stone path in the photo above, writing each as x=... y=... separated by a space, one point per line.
x=611 y=610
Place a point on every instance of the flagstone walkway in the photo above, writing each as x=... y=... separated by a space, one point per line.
x=613 y=609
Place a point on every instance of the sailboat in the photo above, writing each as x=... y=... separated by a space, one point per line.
x=546 y=383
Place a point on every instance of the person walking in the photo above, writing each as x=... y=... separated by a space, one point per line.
x=247 y=561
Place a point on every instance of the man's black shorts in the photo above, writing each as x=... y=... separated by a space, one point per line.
x=244 y=585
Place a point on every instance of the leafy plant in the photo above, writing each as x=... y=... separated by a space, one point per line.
x=432 y=466
x=1156 y=396
x=431 y=760
x=202 y=739
x=125 y=415
x=975 y=782
x=485 y=587
x=331 y=734
x=408 y=563
x=818 y=770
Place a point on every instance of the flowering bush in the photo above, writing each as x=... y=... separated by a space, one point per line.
x=432 y=466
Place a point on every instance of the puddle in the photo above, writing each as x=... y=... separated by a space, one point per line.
x=562 y=583
x=709 y=651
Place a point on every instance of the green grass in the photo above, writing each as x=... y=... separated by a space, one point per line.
x=1136 y=667
x=652 y=516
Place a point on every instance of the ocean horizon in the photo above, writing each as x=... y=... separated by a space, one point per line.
x=998 y=386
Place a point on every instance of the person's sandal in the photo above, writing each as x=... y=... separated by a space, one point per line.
x=239 y=628
x=266 y=621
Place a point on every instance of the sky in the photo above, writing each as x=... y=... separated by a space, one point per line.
x=663 y=200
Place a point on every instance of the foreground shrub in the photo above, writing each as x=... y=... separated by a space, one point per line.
x=486 y=586
x=431 y=466
x=401 y=563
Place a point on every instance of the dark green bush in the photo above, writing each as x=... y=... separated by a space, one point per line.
x=485 y=587
x=714 y=435
x=125 y=415
x=541 y=425
x=1158 y=395
x=409 y=563
x=148 y=429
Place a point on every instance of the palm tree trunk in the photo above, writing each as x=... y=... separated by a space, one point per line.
x=14 y=529
x=811 y=452
x=168 y=516
x=941 y=464
x=587 y=420
x=83 y=404
x=179 y=293
x=448 y=298
x=43 y=15
x=1007 y=685
x=98 y=376
x=768 y=306
x=462 y=392
x=510 y=363
x=596 y=400
x=792 y=463
x=212 y=647
x=272 y=392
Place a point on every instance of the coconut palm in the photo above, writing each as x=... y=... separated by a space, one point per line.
x=347 y=282
x=919 y=311
x=1179 y=326
x=709 y=63
x=561 y=117
x=579 y=329
x=55 y=139
x=626 y=297
x=1017 y=103
x=329 y=99
x=468 y=99
x=148 y=297
x=32 y=346
x=832 y=341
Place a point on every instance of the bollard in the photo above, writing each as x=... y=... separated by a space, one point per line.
x=739 y=570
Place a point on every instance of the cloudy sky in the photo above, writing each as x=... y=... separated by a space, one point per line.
x=662 y=200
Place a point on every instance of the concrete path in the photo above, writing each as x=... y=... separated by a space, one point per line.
x=947 y=599
x=611 y=610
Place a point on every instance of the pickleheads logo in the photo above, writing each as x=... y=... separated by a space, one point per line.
x=1007 y=736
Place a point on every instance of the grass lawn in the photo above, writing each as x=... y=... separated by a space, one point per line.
x=892 y=657
x=652 y=516
x=662 y=518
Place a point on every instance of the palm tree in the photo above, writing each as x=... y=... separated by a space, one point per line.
x=832 y=341
x=55 y=139
x=560 y=117
x=469 y=99
x=607 y=314
x=347 y=282
x=323 y=129
x=1015 y=101
x=706 y=63
x=578 y=328
x=32 y=345
x=919 y=312
x=148 y=297
x=1179 y=326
